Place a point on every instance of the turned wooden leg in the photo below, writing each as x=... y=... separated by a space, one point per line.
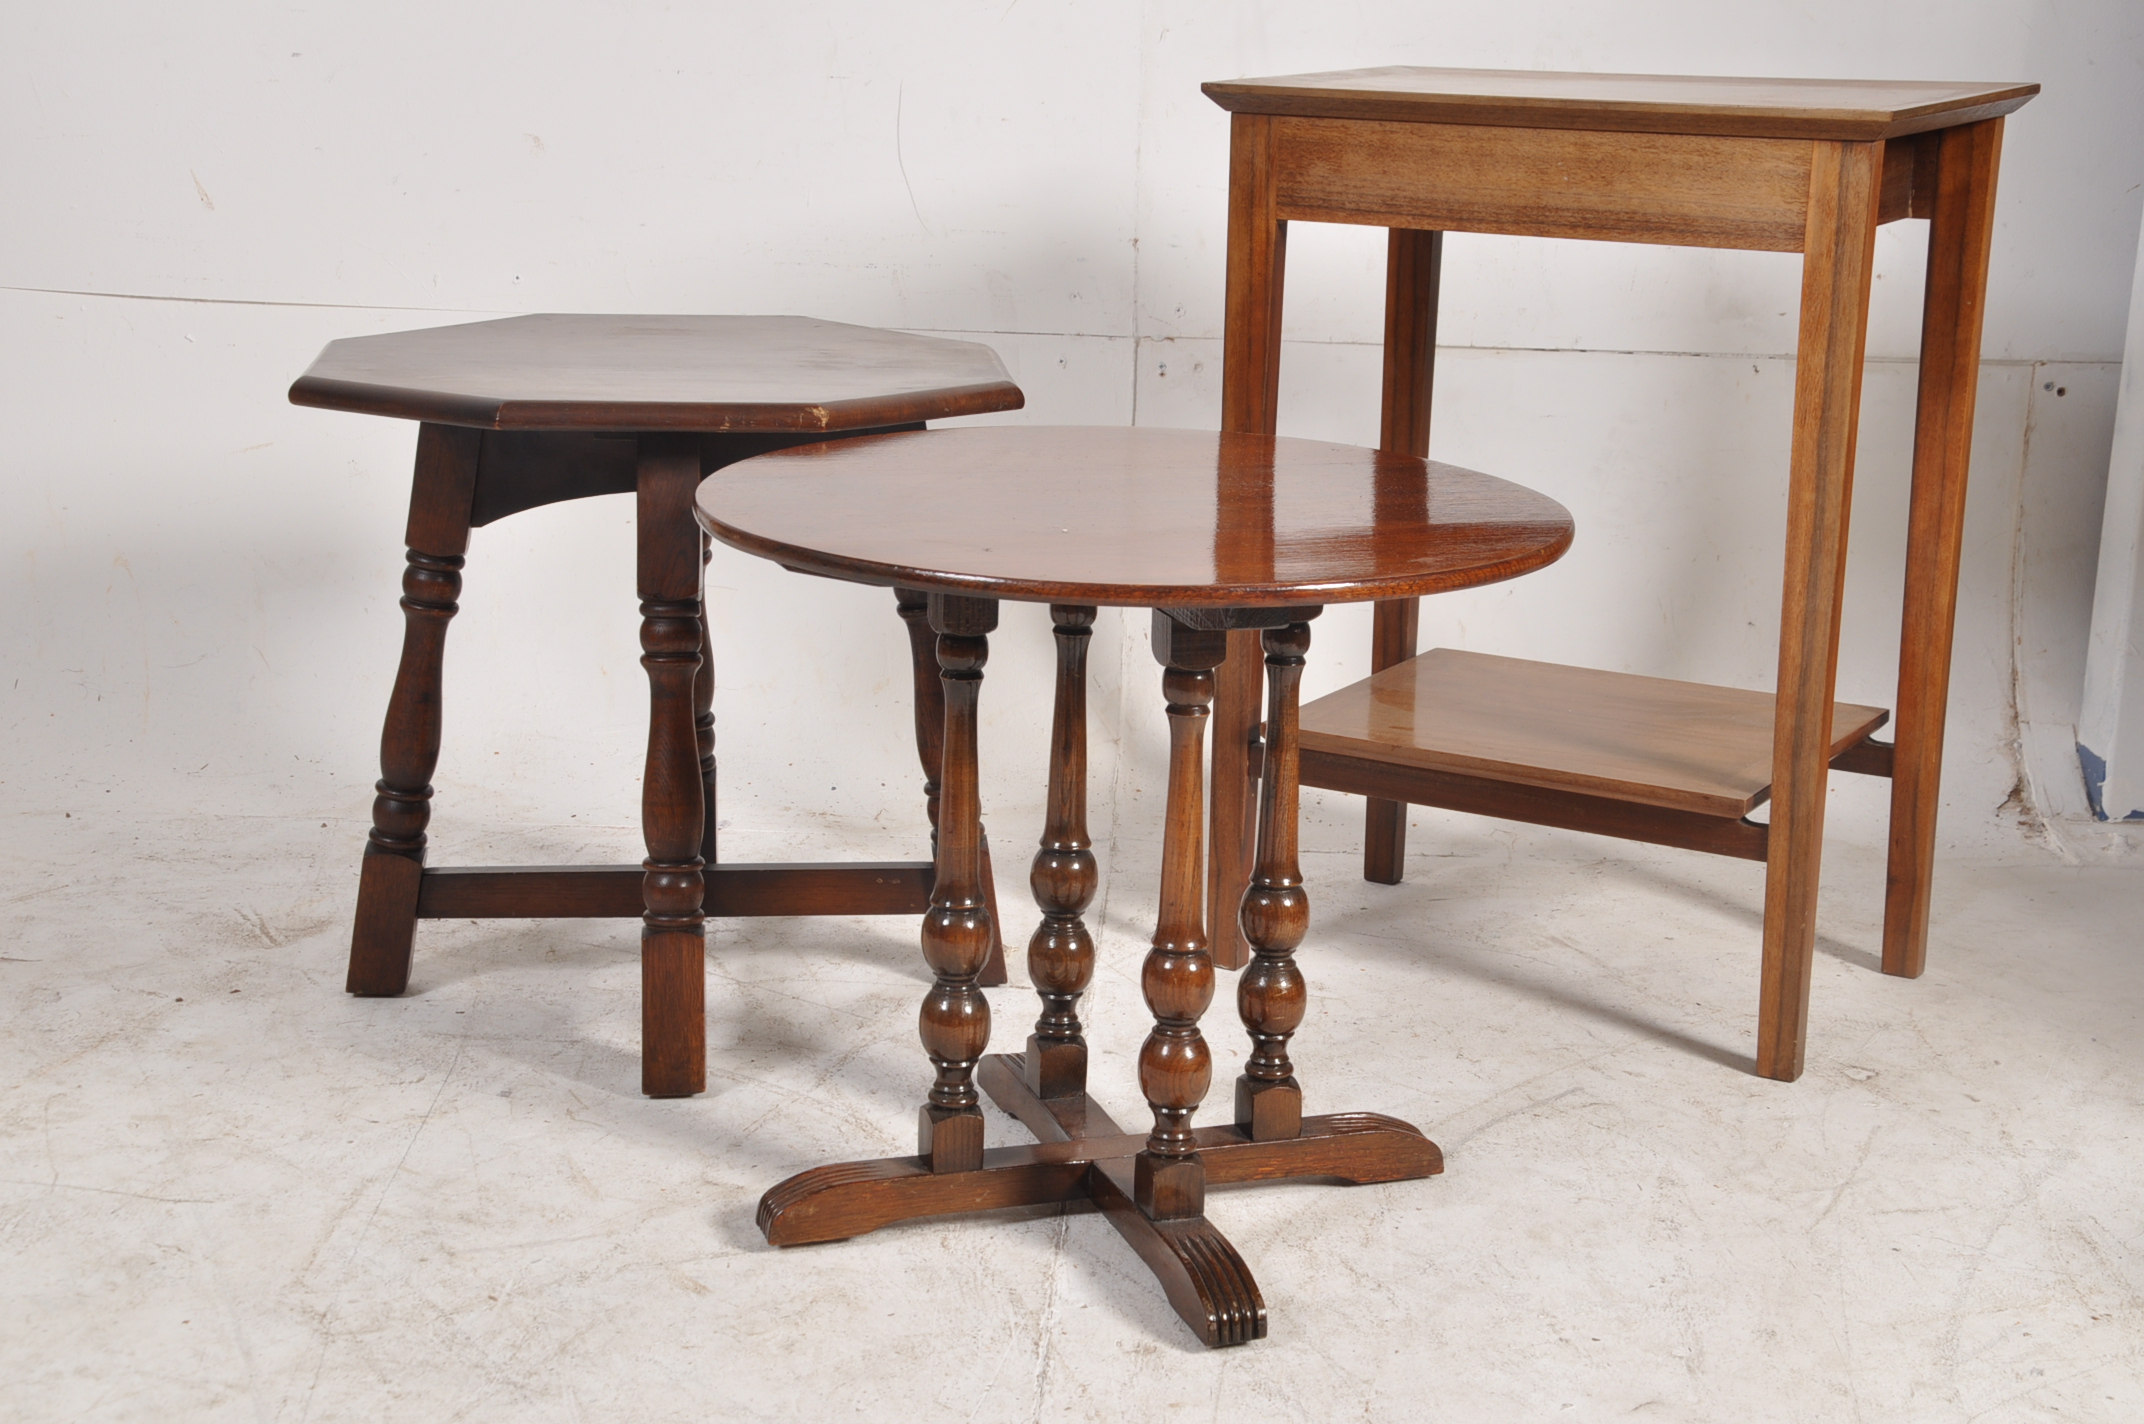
x=1060 y=955
x=438 y=536
x=703 y=713
x=1837 y=257
x=913 y=604
x=955 y=1021
x=1959 y=232
x=1270 y=994
x=673 y=971
x=1414 y=263
x=1175 y=1068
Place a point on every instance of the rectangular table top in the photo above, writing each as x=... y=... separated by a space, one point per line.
x=1843 y=109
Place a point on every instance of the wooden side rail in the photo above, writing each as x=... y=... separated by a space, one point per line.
x=735 y=890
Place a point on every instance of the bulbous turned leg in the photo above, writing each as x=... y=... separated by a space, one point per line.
x=1270 y=993
x=913 y=604
x=703 y=708
x=384 y=931
x=1060 y=955
x=1175 y=1066
x=957 y=930
x=673 y=935
x=402 y=802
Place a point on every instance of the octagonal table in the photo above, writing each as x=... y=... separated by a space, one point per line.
x=531 y=410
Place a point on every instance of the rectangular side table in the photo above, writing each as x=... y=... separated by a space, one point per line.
x=1809 y=166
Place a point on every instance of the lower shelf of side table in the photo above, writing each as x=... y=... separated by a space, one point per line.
x=1642 y=758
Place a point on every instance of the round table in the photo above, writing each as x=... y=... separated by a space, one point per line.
x=1214 y=533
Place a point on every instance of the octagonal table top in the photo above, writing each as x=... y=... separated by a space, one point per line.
x=648 y=373
x=1139 y=517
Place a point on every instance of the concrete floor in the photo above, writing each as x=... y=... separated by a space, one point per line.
x=227 y=1191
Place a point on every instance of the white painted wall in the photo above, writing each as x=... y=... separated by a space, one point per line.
x=2110 y=731
x=199 y=580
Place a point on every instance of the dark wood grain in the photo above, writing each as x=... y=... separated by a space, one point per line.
x=1513 y=801
x=1353 y=1149
x=703 y=720
x=914 y=607
x=1959 y=236
x=1060 y=953
x=1695 y=190
x=1175 y=1065
x=1839 y=109
x=1836 y=274
x=383 y=933
x=1167 y=517
x=1250 y=403
x=1272 y=524
x=849 y=1199
x=1654 y=741
x=570 y=407
x=736 y=890
x=673 y=942
x=1787 y=165
x=527 y=469
x=1414 y=268
x=1275 y=913
x=957 y=935
x=647 y=373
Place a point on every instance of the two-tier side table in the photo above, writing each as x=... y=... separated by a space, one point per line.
x=532 y=410
x=1780 y=165
x=1214 y=533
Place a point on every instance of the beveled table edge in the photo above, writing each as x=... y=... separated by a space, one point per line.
x=1270 y=594
x=1269 y=95
x=710 y=417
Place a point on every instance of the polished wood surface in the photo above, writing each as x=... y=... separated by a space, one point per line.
x=1847 y=109
x=733 y=890
x=1682 y=745
x=645 y=373
x=1839 y=266
x=1274 y=529
x=1060 y=954
x=1789 y=165
x=673 y=936
x=575 y=406
x=914 y=607
x=1163 y=518
x=383 y=936
x=1414 y=273
x=1960 y=231
x=1696 y=190
x=1250 y=396
x=1275 y=911
x=1175 y=1064
x=957 y=933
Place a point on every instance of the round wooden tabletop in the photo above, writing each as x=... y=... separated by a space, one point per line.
x=1138 y=517
x=648 y=373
